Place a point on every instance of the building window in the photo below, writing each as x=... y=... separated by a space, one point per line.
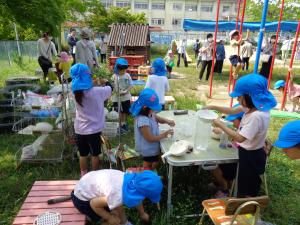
x=177 y=6
x=107 y=3
x=159 y=6
x=159 y=22
x=226 y=8
x=206 y=8
x=123 y=4
x=191 y=8
x=141 y=5
x=176 y=22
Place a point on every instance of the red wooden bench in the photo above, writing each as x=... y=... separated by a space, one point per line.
x=36 y=203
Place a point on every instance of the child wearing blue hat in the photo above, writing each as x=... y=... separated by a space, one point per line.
x=293 y=91
x=225 y=173
x=256 y=101
x=158 y=81
x=100 y=195
x=89 y=120
x=289 y=139
x=146 y=131
x=123 y=85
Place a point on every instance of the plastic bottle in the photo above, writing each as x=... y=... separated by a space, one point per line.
x=223 y=140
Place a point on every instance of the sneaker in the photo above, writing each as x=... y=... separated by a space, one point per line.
x=125 y=128
x=222 y=194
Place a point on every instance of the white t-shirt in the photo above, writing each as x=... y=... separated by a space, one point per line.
x=254 y=127
x=125 y=82
x=101 y=183
x=160 y=85
x=286 y=45
x=235 y=47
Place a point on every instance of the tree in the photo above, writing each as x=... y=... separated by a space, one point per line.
x=254 y=10
x=40 y=15
x=99 y=18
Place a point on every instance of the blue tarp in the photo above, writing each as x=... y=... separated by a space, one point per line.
x=207 y=25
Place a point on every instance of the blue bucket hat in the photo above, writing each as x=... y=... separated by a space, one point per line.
x=159 y=67
x=279 y=84
x=255 y=86
x=148 y=98
x=138 y=186
x=120 y=62
x=289 y=135
x=81 y=77
x=235 y=116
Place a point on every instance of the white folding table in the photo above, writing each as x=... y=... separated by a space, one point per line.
x=213 y=155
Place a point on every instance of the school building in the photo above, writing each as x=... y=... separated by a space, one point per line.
x=169 y=14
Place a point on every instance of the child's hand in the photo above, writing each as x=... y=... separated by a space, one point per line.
x=217 y=130
x=145 y=217
x=103 y=81
x=113 y=220
x=168 y=133
x=171 y=123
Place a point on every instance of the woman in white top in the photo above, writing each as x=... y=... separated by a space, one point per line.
x=46 y=50
x=206 y=56
x=256 y=101
x=158 y=81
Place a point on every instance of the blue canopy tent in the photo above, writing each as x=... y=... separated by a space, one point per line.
x=207 y=25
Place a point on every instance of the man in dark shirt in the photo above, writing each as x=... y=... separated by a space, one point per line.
x=72 y=43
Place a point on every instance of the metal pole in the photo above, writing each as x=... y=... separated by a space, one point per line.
x=261 y=34
x=290 y=67
x=17 y=39
x=236 y=27
x=276 y=42
x=241 y=33
x=214 y=49
x=169 y=198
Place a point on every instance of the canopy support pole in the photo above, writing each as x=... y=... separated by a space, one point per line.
x=261 y=34
x=236 y=27
x=276 y=43
x=288 y=77
x=241 y=33
x=214 y=50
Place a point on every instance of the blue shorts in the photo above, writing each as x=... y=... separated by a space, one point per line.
x=234 y=60
x=85 y=208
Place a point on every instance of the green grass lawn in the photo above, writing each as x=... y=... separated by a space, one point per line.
x=190 y=187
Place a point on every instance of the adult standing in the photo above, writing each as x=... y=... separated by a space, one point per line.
x=286 y=46
x=46 y=50
x=182 y=53
x=72 y=40
x=86 y=50
x=103 y=50
x=267 y=57
x=206 y=52
x=247 y=52
x=220 y=56
x=196 y=48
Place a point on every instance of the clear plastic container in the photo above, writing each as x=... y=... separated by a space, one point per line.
x=202 y=134
x=223 y=140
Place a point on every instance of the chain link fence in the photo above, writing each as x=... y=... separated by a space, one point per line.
x=9 y=52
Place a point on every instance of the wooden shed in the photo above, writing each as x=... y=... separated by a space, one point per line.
x=135 y=39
